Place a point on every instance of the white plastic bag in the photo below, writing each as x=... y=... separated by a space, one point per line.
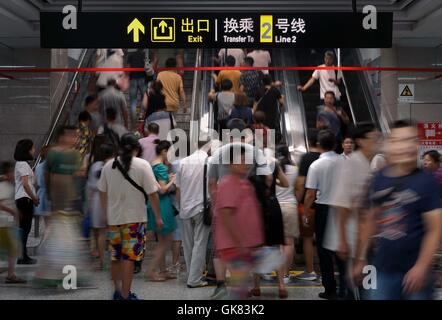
x=268 y=260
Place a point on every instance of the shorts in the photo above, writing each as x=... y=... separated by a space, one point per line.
x=305 y=232
x=290 y=219
x=127 y=241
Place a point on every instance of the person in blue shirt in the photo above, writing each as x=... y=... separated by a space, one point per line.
x=241 y=110
x=404 y=224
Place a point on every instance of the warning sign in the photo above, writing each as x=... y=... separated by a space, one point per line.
x=406 y=92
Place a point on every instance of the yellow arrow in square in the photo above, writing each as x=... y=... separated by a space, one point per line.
x=136 y=26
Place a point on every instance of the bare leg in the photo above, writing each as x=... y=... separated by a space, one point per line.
x=176 y=250
x=11 y=266
x=116 y=273
x=220 y=269
x=127 y=267
x=101 y=244
x=288 y=251
x=159 y=254
x=308 y=253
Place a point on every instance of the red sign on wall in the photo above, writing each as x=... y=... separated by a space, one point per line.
x=430 y=133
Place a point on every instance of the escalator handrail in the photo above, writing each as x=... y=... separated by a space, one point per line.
x=377 y=116
x=350 y=105
x=293 y=114
x=63 y=104
x=194 y=103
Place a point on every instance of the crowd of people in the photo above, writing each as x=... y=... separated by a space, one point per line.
x=236 y=205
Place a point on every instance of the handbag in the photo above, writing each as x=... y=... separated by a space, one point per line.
x=207 y=214
x=117 y=164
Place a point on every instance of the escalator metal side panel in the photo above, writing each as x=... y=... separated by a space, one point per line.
x=378 y=117
x=294 y=125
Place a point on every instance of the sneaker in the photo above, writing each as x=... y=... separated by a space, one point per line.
x=199 y=285
x=286 y=279
x=117 y=296
x=132 y=296
x=307 y=276
x=219 y=293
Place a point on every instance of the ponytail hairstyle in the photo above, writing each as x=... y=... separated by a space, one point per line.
x=283 y=156
x=161 y=145
x=128 y=144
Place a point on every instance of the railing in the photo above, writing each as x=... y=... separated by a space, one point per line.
x=292 y=116
x=201 y=113
x=63 y=104
x=350 y=105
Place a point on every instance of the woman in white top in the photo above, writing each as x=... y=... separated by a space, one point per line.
x=25 y=195
x=288 y=203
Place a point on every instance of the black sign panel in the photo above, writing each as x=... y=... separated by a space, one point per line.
x=217 y=30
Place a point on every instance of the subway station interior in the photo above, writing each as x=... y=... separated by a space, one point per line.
x=44 y=88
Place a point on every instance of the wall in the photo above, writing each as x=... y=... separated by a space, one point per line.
x=24 y=100
x=428 y=90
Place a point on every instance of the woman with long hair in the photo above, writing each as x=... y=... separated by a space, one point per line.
x=25 y=196
x=165 y=181
x=288 y=203
x=153 y=99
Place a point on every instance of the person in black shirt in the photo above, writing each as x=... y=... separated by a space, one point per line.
x=269 y=100
x=153 y=99
x=306 y=230
x=138 y=81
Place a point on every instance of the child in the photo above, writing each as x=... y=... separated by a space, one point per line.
x=9 y=242
x=238 y=222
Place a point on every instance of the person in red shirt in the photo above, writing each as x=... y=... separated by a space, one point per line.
x=258 y=124
x=238 y=225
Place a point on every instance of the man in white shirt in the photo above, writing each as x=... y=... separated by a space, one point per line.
x=189 y=183
x=261 y=58
x=125 y=208
x=319 y=185
x=350 y=193
x=329 y=80
x=238 y=54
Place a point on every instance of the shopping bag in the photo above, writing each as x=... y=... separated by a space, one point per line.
x=268 y=260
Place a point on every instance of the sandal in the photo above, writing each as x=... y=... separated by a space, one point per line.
x=14 y=279
x=167 y=275
x=155 y=277
x=255 y=292
x=283 y=294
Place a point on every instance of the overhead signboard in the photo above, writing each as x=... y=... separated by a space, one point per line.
x=215 y=30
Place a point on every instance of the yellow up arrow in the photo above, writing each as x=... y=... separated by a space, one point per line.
x=163 y=25
x=136 y=26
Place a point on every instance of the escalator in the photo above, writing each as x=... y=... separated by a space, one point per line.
x=314 y=57
x=357 y=98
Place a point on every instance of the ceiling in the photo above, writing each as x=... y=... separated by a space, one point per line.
x=416 y=22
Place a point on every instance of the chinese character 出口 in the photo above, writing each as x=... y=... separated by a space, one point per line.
x=203 y=25
x=186 y=25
